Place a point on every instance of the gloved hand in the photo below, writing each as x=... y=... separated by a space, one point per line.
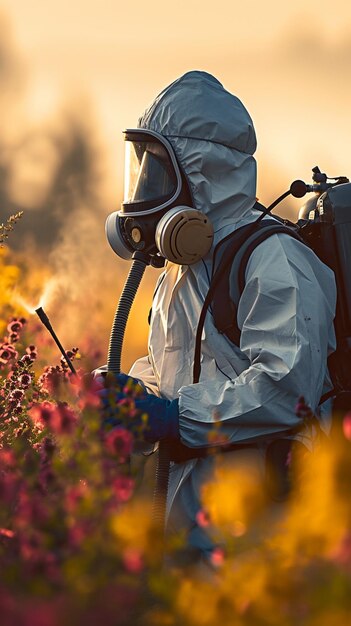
x=123 y=384
x=125 y=401
x=105 y=378
x=162 y=417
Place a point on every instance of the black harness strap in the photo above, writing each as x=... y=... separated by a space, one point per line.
x=231 y=256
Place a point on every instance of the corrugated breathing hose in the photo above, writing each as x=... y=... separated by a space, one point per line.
x=161 y=485
x=122 y=313
x=126 y=300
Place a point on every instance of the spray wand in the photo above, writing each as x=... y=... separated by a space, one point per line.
x=45 y=320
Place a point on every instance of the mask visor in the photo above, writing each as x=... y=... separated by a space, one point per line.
x=150 y=175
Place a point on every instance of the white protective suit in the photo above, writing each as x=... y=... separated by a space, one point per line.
x=285 y=312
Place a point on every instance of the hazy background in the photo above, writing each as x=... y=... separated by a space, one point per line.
x=73 y=75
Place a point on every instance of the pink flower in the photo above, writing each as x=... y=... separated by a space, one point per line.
x=133 y=561
x=7 y=459
x=32 y=352
x=25 y=380
x=26 y=360
x=17 y=394
x=288 y=459
x=14 y=326
x=346 y=426
x=73 y=353
x=51 y=379
x=203 y=518
x=9 y=486
x=6 y=532
x=217 y=557
x=66 y=419
x=11 y=403
x=75 y=495
x=119 y=442
x=42 y=613
x=7 y=352
x=77 y=534
x=123 y=488
x=342 y=554
x=302 y=409
x=87 y=388
x=32 y=511
x=59 y=418
x=41 y=414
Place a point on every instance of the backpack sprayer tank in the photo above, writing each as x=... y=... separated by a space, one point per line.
x=327 y=230
x=324 y=225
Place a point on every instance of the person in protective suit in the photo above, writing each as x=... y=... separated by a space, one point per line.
x=194 y=147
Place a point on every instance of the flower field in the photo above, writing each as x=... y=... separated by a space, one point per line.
x=77 y=542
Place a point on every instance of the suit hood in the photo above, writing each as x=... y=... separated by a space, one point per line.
x=214 y=140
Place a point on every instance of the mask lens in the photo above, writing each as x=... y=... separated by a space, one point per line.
x=149 y=172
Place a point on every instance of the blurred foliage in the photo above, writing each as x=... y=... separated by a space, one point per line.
x=77 y=540
x=8 y=226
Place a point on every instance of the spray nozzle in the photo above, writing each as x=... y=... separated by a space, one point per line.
x=45 y=320
x=43 y=317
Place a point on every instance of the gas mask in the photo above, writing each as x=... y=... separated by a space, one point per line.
x=157 y=217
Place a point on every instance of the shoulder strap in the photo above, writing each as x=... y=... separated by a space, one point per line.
x=228 y=293
x=230 y=259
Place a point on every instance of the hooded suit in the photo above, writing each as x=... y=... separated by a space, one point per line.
x=285 y=312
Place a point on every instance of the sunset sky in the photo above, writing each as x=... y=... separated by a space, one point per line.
x=289 y=63
x=104 y=61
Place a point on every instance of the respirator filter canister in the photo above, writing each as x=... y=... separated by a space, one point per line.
x=155 y=217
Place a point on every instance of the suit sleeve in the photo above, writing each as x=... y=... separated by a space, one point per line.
x=286 y=316
x=142 y=369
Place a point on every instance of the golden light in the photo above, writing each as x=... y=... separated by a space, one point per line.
x=45 y=298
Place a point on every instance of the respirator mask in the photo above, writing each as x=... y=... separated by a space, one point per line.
x=157 y=218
